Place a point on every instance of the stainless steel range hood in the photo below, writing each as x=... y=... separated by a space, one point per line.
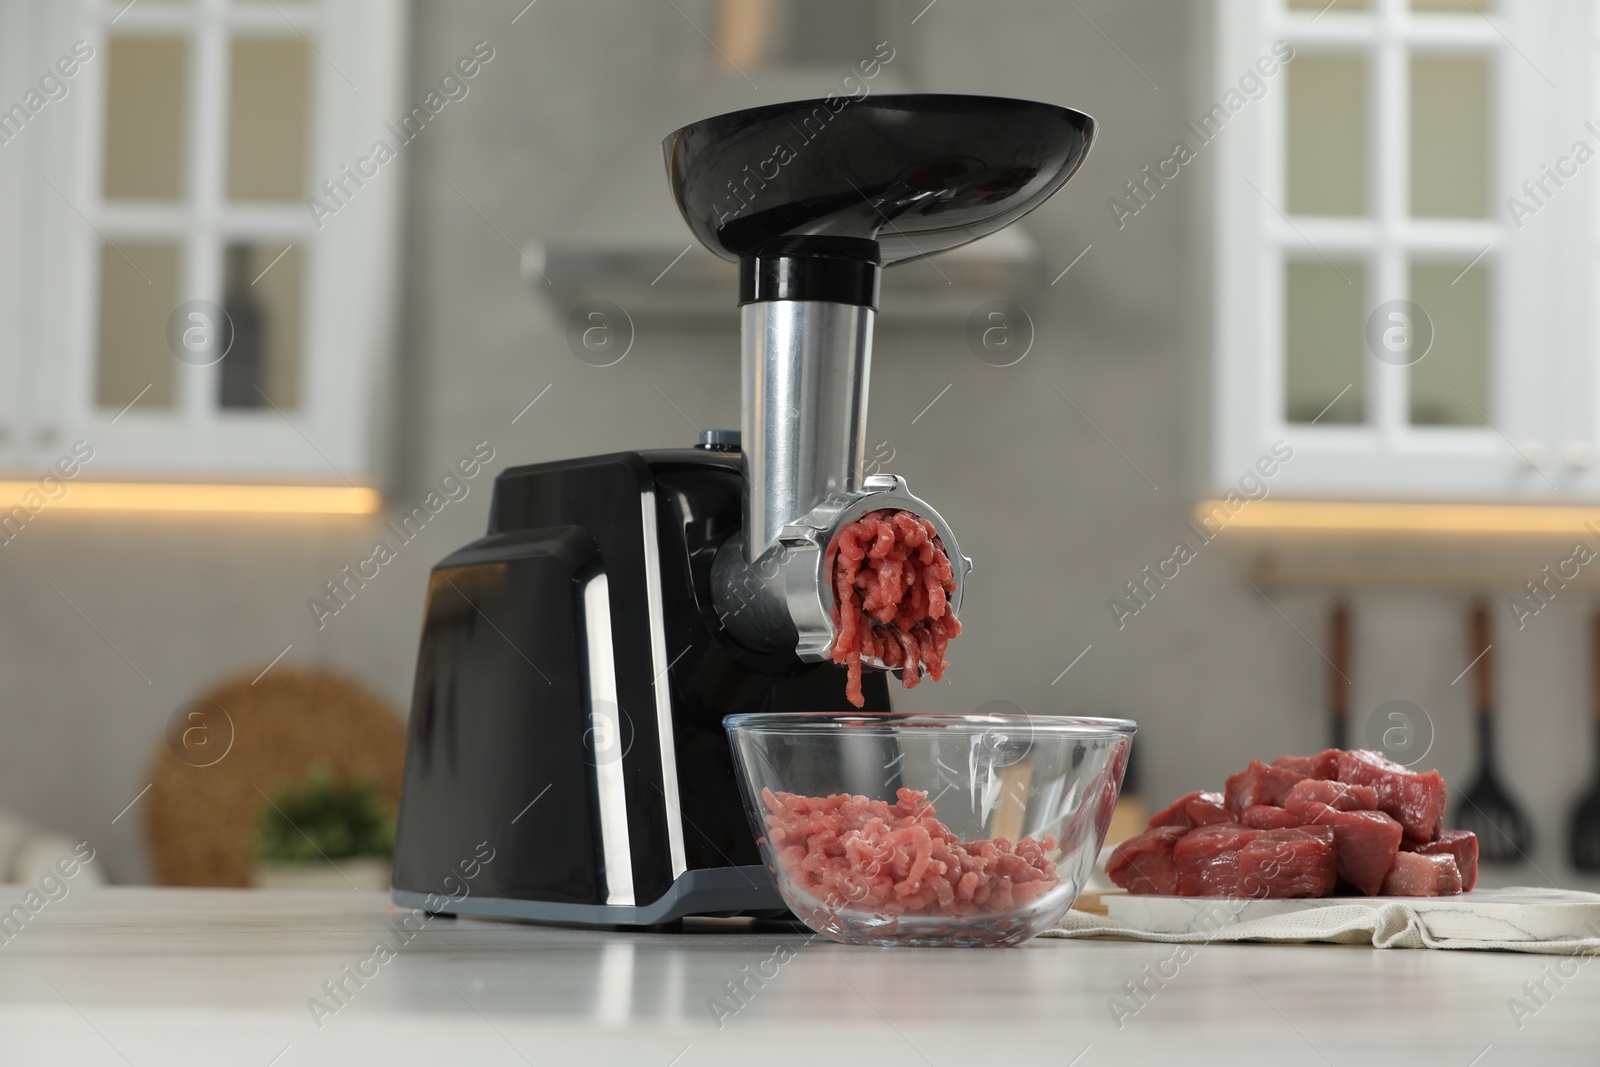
x=625 y=243
x=659 y=280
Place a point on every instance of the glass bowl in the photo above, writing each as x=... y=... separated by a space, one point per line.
x=900 y=829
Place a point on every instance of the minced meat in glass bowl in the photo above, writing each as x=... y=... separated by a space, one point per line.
x=900 y=829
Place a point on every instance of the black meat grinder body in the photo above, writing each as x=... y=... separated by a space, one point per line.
x=569 y=700
x=566 y=759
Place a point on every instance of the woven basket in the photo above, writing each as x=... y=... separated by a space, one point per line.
x=203 y=810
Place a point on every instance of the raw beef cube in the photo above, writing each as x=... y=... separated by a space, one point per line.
x=1299 y=862
x=1267 y=817
x=1259 y=784
x=1143 y=864
x=1366 y=843
x=1417 y=875
x=1207 y=859
x=1334 y=794
x=1207 y=808
x=1324 y=764
x=1174 y=814
x=1415 y=800
x=1461 y=844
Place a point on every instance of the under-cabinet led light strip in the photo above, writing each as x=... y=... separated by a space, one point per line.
x=32 y=497
x=1394 y=517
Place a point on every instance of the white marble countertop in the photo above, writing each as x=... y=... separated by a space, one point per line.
x=127 y=976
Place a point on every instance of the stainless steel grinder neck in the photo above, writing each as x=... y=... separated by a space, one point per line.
x=807 y=306
x=812 y=198
x=806 y=314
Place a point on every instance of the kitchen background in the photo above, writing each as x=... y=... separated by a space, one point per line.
x=434 y=301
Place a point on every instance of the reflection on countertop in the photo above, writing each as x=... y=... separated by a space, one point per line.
x=340 y=977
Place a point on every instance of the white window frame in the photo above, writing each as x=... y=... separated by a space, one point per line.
x=349 y=267
x=1541 y=334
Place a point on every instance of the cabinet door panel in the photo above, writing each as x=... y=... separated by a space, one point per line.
x=167 y=202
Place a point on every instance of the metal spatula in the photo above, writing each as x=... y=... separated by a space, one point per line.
x=1583 y=835
x=1504 y=834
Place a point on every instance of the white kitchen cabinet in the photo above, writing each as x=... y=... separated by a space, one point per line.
x=156 y=155
x=1386 y=161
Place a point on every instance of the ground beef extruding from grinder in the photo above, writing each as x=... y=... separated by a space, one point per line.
x=1304 y=826
x=851 y=853
x=891 y=581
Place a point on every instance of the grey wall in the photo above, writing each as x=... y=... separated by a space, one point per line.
x=1054 y=515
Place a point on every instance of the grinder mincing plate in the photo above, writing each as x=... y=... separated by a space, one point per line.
x=577 y=660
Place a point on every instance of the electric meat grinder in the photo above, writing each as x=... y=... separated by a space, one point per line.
x=577 y=660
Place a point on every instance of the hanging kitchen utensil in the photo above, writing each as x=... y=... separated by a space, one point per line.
x=1583 y=835
x=1339 y=678
x=1504 y=834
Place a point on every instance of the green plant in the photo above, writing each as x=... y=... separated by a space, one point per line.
x=324 y=819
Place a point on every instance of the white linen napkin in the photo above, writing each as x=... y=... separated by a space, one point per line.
x=1384 y=926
